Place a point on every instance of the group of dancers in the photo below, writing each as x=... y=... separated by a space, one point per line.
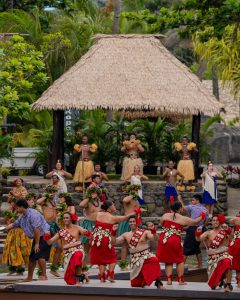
x=35 y=226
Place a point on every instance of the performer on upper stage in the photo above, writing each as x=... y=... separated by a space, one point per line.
x=219 y=260
x=145 y=267
x=17 y=245
x=102 y=252
x=84 y=168
x=234 y=248
x=170 y=249
x=136 y=180
x=171 y=193
x=61 y=174
x=210 y=187
x=73 y=250
x=97 y=171
x=185 y=165
x=19 y=191
x=132 y=148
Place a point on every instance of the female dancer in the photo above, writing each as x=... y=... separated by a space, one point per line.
x=19 y=191
x=102 y=252
x=61 y=175
x=210 y=187
x=170 y=249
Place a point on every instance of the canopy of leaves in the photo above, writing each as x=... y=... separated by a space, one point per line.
x=22 y=76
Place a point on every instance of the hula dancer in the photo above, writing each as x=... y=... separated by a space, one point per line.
x=170 y=248
x=145 y=267
x=17 y=245
x=210 y=187
x=102 y=251
x=34 y=226
x=219 y=260
x=191 y=245
x=132 y=148
x=73 y=249
x=234 y=248
x=49 y=212
x=185 y=165
x=84 y=168
x=130 y=205
x=171 y=174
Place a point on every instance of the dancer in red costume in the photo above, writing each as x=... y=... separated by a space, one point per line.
x=73 y=249
x=219 y=260
x=170 y=249
x=102 y=252
x=145 y=267
x=234 y=248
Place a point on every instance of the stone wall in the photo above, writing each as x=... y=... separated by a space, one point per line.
x=153 y=196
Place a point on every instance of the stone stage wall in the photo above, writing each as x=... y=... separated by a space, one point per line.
x=153 y=196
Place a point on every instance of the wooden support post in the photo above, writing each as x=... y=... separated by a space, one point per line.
x=57 y=151
x=196 y=123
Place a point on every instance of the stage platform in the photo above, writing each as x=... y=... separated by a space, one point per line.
x=56 y=289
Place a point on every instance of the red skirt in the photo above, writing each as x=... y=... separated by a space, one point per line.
x=234 y=251
x=102 y=255
x=170 y=252
x=150 y=272
x=219 y=271
x=75 y=261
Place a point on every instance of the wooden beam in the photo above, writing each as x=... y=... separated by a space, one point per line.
x=57 y=151
x=196 y=124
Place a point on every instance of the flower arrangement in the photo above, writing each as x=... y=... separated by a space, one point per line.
x=61 y=209
x=66 y=196
x=133 y=187
x=49 y=191
x=31 y=195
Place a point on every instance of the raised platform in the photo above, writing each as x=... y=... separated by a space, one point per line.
x=57 y=289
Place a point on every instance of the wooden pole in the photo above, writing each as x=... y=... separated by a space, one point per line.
x=196 y=123
x=57 y=151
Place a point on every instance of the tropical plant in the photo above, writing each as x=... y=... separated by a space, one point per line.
x=5 y=146
x=22 y=76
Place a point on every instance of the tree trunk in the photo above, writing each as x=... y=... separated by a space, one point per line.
x=57 y=151
x=215 y=84
x=196 y=123
x=117 y=11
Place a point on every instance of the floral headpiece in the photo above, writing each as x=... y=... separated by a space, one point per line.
x=51 y=189
x=92 y=190
x=31 y=195
x=66 y=196
x=221 y=219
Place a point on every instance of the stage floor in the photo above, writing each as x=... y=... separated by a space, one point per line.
x=122 y=288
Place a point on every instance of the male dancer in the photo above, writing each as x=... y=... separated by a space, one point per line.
x=84 y=168
x=130 y=204
x=49 y=211
x=145 y=267
x=219 y=260
x=91 y=205
x=171 y=175
x=73 y=250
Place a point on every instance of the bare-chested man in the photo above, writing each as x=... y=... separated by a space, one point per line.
x=48 y=209
x=130 y=204
x=91 y=205
x=171 y=175
x=145 y=267
x=219 y=260
x=185 y=165
x=73 y=250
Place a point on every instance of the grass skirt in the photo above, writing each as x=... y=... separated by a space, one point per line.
x=185 y=167
x=84 y=168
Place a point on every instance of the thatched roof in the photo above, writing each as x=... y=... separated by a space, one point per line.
x=129 y=72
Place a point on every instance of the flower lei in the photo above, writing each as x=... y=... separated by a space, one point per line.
x=66 y=196
x=133 y=187
x=61 y=209
x=30 y=195
x=51 y=189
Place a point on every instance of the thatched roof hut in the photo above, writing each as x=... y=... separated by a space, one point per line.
x=129 y=72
